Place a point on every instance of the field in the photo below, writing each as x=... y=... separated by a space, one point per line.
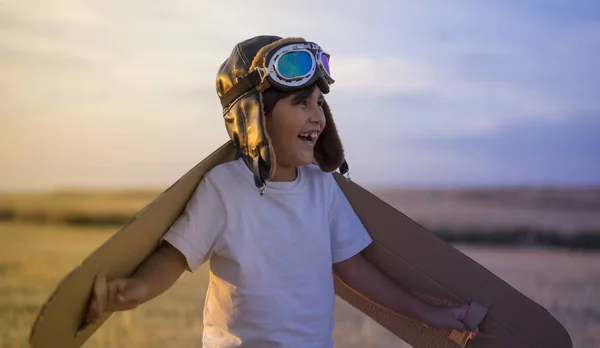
x=75 y=207
x=46 y=235
x=556 y=217
x=34 y=258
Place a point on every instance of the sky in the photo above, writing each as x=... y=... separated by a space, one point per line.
x=428 y=93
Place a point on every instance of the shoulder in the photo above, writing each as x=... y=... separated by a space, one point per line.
x=215 y=181
x=322 y=182
x=231 y=180
x=225 y=174
x=224 y=169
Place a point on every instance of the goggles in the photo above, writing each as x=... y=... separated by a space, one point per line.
x=288 y=67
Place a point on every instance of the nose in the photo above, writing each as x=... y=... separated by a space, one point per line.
x=317 y=115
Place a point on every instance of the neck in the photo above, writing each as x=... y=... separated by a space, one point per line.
x=284 y=173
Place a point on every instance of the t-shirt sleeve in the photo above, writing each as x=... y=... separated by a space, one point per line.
x=348 y=234
x=203 y=220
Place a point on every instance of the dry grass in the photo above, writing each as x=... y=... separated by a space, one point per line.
x=37 y=252
x=94 y=207
x=33 y=259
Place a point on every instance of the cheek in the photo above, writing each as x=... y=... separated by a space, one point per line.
x=284 y=128
x=280 y=134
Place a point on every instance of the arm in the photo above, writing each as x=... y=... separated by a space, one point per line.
x=348 y=237
x=186 y=245
x=363 y=277
x=153 y=277
x=160 y=271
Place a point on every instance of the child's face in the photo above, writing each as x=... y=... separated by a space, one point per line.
x=294 y=126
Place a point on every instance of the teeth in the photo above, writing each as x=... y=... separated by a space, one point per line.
x=312 y=135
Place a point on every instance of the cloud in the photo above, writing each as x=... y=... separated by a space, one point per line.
x=143 y=71
x=497 y=54
x=528 y=151
x=382 y=76
x=575 y=139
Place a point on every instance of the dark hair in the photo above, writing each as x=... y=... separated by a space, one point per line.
x=271 y=96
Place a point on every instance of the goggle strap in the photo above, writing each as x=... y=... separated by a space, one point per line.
x=242 y=86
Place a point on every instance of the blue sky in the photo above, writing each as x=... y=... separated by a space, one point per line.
x=429 y=93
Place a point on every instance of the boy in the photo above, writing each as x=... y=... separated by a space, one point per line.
x=272 y=252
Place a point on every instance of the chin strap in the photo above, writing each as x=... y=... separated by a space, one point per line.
x=258 y=178
x=253 y=165
x=345 y=170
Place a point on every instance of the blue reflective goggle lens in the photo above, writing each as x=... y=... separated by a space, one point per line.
x=294 y=64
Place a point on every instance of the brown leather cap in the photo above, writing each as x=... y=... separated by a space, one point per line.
x=245 y=117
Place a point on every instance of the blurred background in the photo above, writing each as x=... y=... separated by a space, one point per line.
x=480 y=120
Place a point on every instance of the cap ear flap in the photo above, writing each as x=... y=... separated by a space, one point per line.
x=329 y=153
x=266 y=152
x=246 y=124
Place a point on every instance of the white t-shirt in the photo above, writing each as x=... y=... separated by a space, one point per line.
x=271 y=256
